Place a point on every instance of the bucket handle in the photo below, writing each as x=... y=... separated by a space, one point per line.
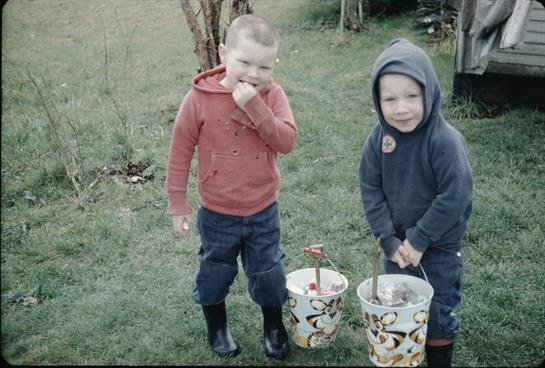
x=375 y=271
x=423 y=272
x=329 y=261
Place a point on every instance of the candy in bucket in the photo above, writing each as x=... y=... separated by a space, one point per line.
x=316 y=286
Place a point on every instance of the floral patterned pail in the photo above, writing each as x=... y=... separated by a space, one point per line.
x=315 y=320
x=396 y=336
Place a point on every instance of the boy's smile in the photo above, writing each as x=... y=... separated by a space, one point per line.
x=247 y=62
x=401 y=101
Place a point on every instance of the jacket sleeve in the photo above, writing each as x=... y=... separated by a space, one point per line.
x=375 y=204
x=275 y=123
x=185 y=135
x=450 y=163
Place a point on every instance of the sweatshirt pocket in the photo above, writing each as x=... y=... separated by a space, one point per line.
x=238 y=180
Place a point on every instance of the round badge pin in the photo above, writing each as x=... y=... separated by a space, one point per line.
x=388 y=144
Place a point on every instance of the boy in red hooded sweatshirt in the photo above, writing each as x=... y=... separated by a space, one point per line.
x=240 y=120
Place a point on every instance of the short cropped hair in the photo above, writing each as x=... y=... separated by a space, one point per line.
x=253 y=27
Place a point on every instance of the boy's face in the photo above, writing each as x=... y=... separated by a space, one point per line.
x=401 y=101
x=248 y=61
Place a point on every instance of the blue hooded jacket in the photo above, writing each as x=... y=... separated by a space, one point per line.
x=422 y=190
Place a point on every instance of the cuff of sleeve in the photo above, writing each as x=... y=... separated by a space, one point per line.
x=243 y=118
x=419 y=241
x=390 y=245
x=177 y=204
x=255 y=108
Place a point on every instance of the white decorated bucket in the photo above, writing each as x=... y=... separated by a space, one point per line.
x=396 y=336
x=315 y=320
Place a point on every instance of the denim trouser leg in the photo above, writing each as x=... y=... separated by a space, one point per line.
x=256 y=238
x=220 y=244
x=445 y=271
x=262 y=258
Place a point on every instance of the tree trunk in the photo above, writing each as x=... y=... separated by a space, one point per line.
x=198 y=38
x=211 y=11
x=238 y=8
x=353 y=15
x=207 y=41
x=341 y=20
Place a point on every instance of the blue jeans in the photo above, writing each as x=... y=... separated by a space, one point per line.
x=257 y=239
x=444 y=268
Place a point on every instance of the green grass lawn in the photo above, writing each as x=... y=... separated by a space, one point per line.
x=104 y=280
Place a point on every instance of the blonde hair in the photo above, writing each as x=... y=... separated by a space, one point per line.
x=253 y=27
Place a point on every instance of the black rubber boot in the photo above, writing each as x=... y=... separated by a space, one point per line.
x=439 y=356
x=219 y=337
x=276 y=337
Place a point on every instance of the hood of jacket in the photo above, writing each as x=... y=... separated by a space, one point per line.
x=403 y=57
x=209 y=81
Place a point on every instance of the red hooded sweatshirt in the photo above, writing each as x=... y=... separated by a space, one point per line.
x=237 y=150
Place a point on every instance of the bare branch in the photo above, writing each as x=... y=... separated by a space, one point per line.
x=119 y=110
x=198 y=38
x=68 y=158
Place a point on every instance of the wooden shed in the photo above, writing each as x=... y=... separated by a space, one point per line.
x=504 y=75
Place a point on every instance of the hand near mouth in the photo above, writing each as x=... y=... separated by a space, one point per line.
x=243 y=93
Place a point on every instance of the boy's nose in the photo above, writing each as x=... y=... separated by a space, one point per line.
x=401 y=107
x=252 y=72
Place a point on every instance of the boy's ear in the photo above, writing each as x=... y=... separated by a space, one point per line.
x=222 y=50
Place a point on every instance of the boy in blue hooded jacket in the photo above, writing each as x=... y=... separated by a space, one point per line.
x=417 y=186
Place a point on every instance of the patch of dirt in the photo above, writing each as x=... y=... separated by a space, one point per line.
x=134 y=173
x=137 y=168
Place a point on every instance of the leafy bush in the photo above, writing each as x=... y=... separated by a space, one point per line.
x=387 y=7
x=438 y=20
x=327 y=12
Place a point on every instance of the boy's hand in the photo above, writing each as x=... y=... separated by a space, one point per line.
x=399 y=259
x=243 y=93
x=410 y=254
x=181 y=223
